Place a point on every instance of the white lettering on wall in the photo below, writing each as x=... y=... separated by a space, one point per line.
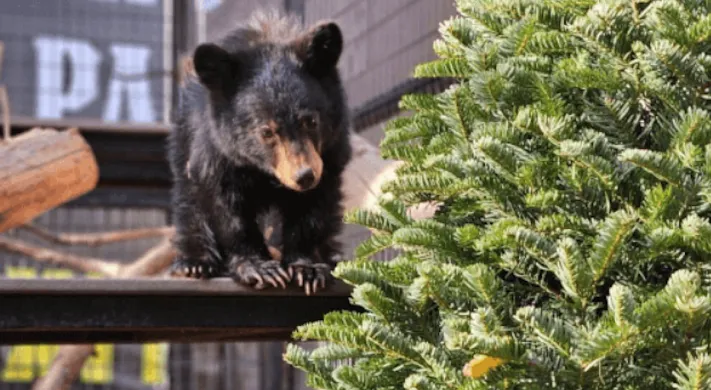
x=129 y=83
x=130 y=61
x=52 y=101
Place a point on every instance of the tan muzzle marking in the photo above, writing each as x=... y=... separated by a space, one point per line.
x=288 y=164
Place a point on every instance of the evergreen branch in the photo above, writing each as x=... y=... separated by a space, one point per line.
x=608 y=245
x=370 y=219
x=319 y=372
x=504 y=158
x=376 y=243
x=688 y=155
x=659 y=311
x=528 y=270
x=369 y=272
x=550 y=43
x=693 y=126
x=420 y=102
x=395 y=212
x=655 y=163
x=555 y=129
x=517 y=36
x=397 y=272
x=428 y=234
x=441 y=366
x=678 y=61
x=605 y=343
x=331 y=352
x=579 y=72
x=503 y=132
x=392 y=310
x=466 y=111
x=488 y=88
x=546 y=329
x=578 y=152
x=442 y=68
x=467 y=236
x=439 y=184
x=621 y=304
x=408 y=153
x=459 y=32
x=693 y=374
x=615 y=117
x=420 y=127
x=574 y=277
x=490 y=23
x=535 y=244
x=444 y=142
x=700 y=31
x=419 y=382
x=351 y=379
x=697 y=232
x=393 y=343
x=660 y=203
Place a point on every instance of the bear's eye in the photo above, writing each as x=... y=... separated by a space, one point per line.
x=309 y=121
x=266 y=133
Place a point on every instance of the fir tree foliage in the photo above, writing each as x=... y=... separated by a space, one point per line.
x=571 y=162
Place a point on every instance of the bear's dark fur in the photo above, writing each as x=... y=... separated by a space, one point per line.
x=261 y=133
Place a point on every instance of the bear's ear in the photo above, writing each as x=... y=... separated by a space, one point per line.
x=320 y=48
x=213 y=66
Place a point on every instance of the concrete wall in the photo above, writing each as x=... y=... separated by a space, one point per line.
x=229 y=13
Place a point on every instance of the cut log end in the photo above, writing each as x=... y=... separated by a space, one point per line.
x=42 y=169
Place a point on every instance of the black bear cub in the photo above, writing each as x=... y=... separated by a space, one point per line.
x=261 y=137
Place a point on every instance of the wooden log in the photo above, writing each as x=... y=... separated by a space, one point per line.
x=42 y=169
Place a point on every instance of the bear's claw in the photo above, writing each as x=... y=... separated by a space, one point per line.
x=310 y=275
x=194 y=269
x=256 y=273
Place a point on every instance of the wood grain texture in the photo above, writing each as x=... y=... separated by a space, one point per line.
x=42 y=169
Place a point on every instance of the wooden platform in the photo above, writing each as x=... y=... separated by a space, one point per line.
x=36 y=311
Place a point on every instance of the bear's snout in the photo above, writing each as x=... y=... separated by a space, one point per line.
x=305 y=178
x=297 y=165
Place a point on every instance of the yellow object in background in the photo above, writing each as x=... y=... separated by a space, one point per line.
x=25 y=363
x=480 y=365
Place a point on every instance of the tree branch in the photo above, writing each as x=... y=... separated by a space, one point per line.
x=97 y=239
x=65 y=368
x=77 y=263
x=153 y=262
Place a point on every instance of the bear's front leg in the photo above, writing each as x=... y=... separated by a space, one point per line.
x=256 y=271
x=307 y=231
x=198 y=253
x=250 y=262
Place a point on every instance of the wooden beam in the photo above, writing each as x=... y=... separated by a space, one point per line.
x=40 y=170
x=87 y=125
x=150 y=310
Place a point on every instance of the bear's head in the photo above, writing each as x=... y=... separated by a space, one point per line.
x=275 y=105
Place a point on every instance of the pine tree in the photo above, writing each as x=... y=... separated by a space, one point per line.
x=571 y=248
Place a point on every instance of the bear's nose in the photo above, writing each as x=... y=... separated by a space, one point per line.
x=305 y=177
